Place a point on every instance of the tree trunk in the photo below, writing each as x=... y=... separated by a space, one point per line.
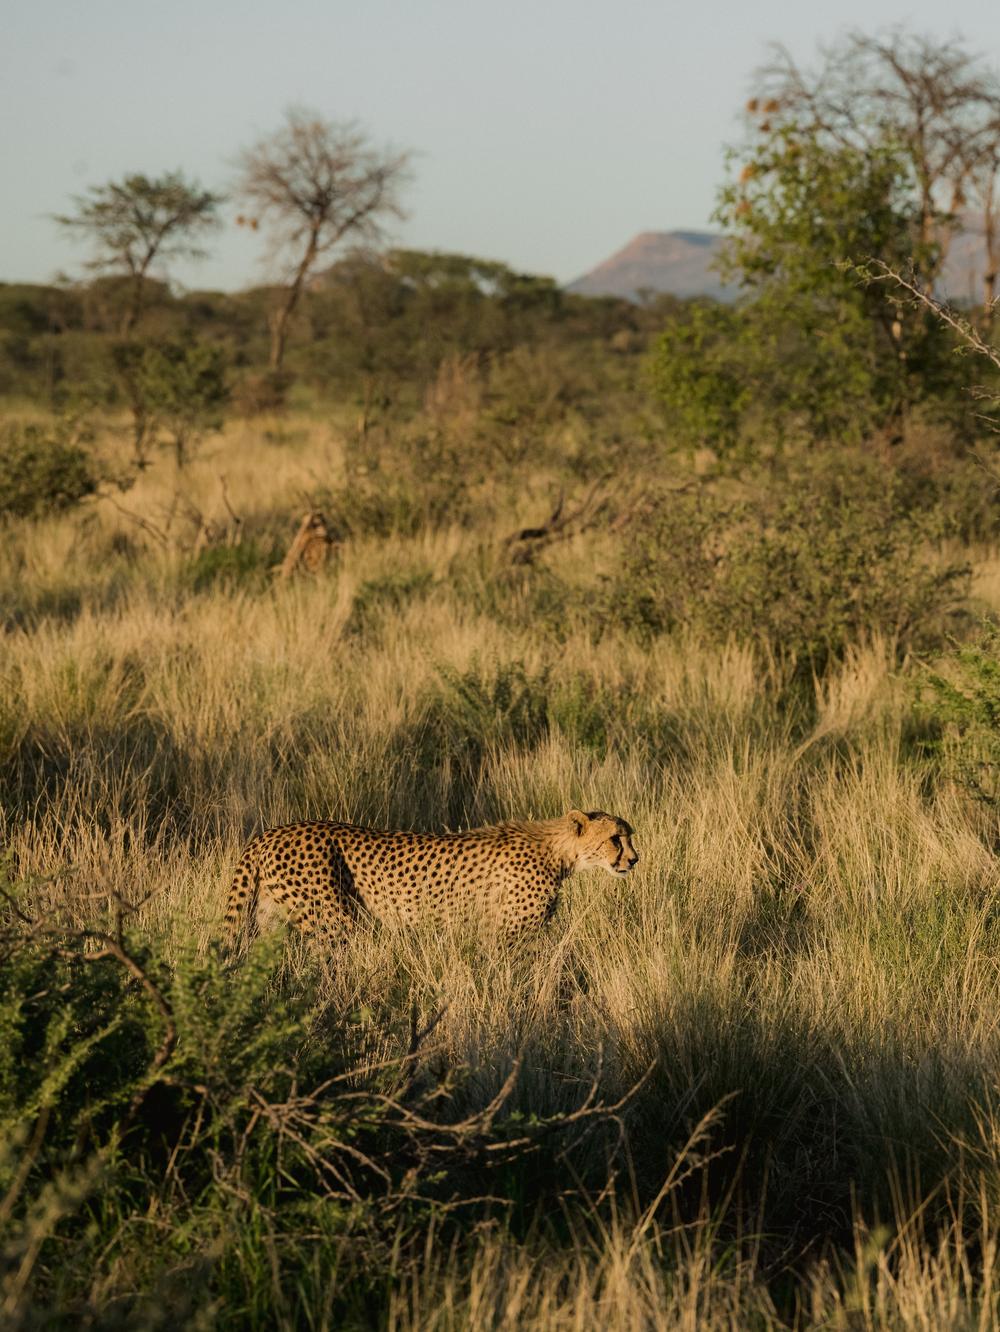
x=131 y=315
x=136 y=295
x=278 y=323
x=991 y=236
x=281 y=316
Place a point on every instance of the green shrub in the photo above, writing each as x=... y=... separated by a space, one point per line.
x=383 y=508
x=963 y=699
x=82 y=1057
x=831 y=558
x=233 y=565
x=42 y=472
x=399 y=486
x=935 y=471
x=482 y=706
x=260 y=1125
x=379 y=596
x=698 y=370
x=175 y=385
x=467 y=717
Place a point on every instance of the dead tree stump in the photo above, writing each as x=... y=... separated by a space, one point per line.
x=311 y=548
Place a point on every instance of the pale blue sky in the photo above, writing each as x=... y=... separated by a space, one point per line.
x=547 y=133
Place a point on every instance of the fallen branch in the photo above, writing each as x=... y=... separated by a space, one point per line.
x=561 y=524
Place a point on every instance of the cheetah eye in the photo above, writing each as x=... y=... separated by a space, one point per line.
x=616 y=842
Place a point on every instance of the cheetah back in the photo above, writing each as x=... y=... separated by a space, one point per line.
x=322 y=872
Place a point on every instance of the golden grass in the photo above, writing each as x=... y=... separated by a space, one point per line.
x=806 y=898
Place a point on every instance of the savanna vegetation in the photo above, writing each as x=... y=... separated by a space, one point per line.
x=655 y=559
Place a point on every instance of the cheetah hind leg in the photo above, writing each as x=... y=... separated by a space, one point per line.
x=241 y=906
x=324 y=922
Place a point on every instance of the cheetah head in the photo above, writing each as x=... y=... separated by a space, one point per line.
x=601 y=841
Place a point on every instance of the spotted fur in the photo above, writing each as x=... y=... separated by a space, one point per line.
x=325 y=873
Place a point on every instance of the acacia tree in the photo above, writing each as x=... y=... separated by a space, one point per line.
x=313 y=184
x=135 y=222
x=869 y=160
x=934 y=103
x=823 y=351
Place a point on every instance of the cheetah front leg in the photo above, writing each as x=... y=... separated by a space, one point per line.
x=528 y=915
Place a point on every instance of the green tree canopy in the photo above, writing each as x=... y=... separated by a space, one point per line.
x=835 y=173
x=139 y=220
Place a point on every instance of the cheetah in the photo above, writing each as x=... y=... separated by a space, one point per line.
x=324 y=873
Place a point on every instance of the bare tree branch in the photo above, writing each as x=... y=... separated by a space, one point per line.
x=936 y=100
x=877 y=271
x=315 y=183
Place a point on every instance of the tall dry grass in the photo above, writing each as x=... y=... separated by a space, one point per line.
x=805 y=961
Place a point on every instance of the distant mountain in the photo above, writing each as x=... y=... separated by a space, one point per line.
x=962 y=280
x=678 y=263
x=674 y=262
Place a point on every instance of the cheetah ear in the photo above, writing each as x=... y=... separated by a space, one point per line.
x=578 y=820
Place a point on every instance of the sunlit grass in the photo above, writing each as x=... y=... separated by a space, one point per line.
x=807 y=951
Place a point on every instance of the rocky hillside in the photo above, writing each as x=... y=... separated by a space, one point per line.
x=677 y=262
x=680 y=263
